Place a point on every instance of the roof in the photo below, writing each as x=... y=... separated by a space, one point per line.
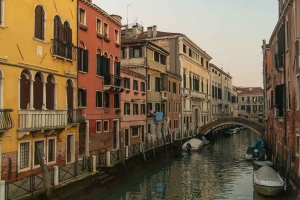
x=214 y=66
x=159 y=34
x=250 y=90
x=125 y=41
x=133 y=73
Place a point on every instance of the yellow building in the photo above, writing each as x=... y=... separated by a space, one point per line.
x=38 y=72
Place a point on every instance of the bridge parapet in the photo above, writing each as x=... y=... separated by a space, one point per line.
x=254 y=125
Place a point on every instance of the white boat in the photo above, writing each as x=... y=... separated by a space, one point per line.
x=196 y=145
x=267 y=181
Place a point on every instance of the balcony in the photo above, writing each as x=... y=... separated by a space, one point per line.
x=164 y=95
x=185 y=92
x=63 y=50
x=219 y=101
x=37 y=121
x=6 y=122
x=75 y=116
x=113 y=83
x=198 y=95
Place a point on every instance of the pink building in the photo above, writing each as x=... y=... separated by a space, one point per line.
x=133 y=107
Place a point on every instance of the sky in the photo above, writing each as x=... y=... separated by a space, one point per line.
x=230 y=31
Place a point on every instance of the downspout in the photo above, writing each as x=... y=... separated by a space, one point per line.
x=181 y=85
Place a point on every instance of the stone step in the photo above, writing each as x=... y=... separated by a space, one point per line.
x=109 y=178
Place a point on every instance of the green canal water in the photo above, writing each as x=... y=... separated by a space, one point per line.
x=218 y=171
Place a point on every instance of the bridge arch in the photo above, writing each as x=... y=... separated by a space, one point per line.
x=251 y=124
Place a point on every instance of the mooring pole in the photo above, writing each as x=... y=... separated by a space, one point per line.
x=44 y=169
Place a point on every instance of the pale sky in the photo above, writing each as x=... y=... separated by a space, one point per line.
x=230 y=31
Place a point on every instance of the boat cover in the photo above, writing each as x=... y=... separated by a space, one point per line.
x=267 y=173
x=195 y=143
x=261 y=150
x=263 y=163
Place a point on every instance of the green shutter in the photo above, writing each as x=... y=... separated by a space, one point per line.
x=99 y=64
x=184 y=80
x=79 y=59
x=85 y=60
x=83 y=92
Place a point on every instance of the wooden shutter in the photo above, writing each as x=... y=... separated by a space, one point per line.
x=61 y=31
x=38 y=22
x=213 y=91
x=85 y=60
x=118 y=68
x=69 y=38
x=98 y=64
x=83 y=97
x=281 y=45
x=130 y=52
x=79 y=59
x=102 y=65
x=107 y=66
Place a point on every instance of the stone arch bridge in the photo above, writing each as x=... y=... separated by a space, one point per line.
x=257 y=127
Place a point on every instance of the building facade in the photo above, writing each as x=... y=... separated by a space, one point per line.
x=133 y=107
x=191 y=62
x=250 y=102
x=221 y=93
x=38 y=71
x=149 y=60
x=281 y=79
x=99 y=80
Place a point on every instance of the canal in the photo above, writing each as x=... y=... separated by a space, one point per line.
x=218 y=171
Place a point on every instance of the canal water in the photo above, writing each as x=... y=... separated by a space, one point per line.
x=218 y=171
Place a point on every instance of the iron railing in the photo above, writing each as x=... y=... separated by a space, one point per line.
x=75 y=169
x=102 y=159
x=63 y=49
x=115 y=156
x=113 y=80
x=75 y=116
x=6 y=121
x=133 y=150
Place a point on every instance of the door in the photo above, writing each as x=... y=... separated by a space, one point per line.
x=197 y=118
x=116 y=134
x=82 y=129
x=70 y=97
x=126 y=137
x=70 y=150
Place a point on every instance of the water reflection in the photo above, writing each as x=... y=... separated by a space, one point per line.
x=219 y=171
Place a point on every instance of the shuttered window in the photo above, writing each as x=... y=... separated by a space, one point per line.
x=99 y=101
x=281 y=46
x=148 y=82
x=184 y=80
x=81 y=97
x=126 y=108
x=157 y=84
x=116 y=100
x=213 y=91
x=39 y=24
x=83 y=55
x=174 y=87
x=117 y=68
x=106 y=100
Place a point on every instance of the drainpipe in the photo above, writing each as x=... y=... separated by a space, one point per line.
x=181 y=96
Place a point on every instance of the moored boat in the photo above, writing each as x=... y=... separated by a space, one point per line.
x=255 y=153
x=267 y=181
x=192 y=145
x=258 y=164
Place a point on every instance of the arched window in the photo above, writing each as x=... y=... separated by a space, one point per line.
x=58 y=29
x=68 y=40
x=38 y=92
x=25 y=89
x=39 y=26
x=70 y=94
x=50 y=92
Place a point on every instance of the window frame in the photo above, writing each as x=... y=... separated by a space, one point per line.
x=29 y=156
x=55 y=149
x=143 y=109
x=101 y=28
x=105 y=131
x=125 y=106
x=131 y=131
x=104 y=33
x=43 y=24
x=135 y=109
x=79 y=96
x=117 y=33
x=148 y=82
x=101 y=106
x=97 y=121
x=2 y=13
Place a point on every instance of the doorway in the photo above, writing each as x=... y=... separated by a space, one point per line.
x=127 y=137
x=82 y=129
x=116 y=134
x=143 y=133
x=70 y=150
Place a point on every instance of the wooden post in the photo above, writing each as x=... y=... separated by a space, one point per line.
x=122 y=147
x=44 y=169
x=143 y=150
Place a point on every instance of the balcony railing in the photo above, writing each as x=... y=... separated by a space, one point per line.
x=75 y=116
x=42 y=119
x=198 y=95
x=6 y=122
x=113 y=81
x=63 y=50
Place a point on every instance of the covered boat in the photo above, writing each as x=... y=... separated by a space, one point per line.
x=256 y=153
x=192 y=145
x=267 y=181
x=258 y=164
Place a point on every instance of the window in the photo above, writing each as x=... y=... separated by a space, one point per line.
x=243 y=98
x=51 y=150
x=143 y=87
x=99 y=25
x=248 y=108
x=157 y=107
x=174 y=107
x=98 y=126
x=297 y=93
x=163 y=108
x=82 y=97
x=201 y=61
x=190 y=52
x=135 y=85
x=143 y=109
x=82 y=16
x=243 y=108
x=184 y=48
x=169 y=106
x=123 y=52
x=184 y=103
x=36 y=157
x=170 y=124
x=134 y=131
x=1 y=12
x=174 y=87
x=261 y=108
x=135 y=52
x=24 y=155
x=39 y=23
x=83 y=55
x=149 y=128
x=254 y=108
x=207 y=64
x=116 y=100
x=117 y=36
x=127 y=83
x=149 y=106
x=148 y=82
x=126 y=108
x=157 y=84
x=169 y=86
x=135 y=109
x=105 y=125
x=106 y=100
x=98 y=99
x=106 y=30
x=163 y=59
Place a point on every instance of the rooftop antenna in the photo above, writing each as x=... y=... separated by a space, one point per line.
x=127 y=13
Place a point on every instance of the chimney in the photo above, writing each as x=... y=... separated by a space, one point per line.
x=154 y=31
x=149 y=32
x=117 y=17
x=134 y=31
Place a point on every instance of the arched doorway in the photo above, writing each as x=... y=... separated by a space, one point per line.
x=25 y=79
